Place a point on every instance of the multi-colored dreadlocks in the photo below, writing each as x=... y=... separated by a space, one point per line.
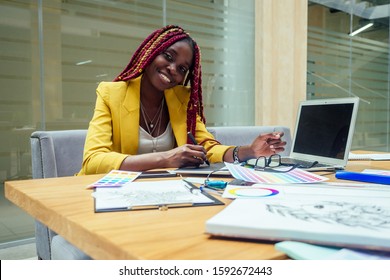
x=155 y=44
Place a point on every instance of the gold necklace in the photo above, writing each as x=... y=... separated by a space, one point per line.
x=151 y=124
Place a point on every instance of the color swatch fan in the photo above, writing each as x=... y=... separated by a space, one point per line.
x=296 y=176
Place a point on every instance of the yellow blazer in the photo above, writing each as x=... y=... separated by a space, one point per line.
x=113 y=132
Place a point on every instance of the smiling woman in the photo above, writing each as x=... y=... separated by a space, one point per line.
x=160 y=109
x=167 y=70
x=177 y=59
x=143 y=117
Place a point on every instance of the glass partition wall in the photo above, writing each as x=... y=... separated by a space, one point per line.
x=348 y=55
x=53 y=53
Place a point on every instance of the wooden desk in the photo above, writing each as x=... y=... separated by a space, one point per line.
x=66 y=206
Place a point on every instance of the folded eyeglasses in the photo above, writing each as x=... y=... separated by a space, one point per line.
x=270 y=164
x=263 y=163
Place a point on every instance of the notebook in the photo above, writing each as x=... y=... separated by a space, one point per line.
x=341 y=217
x=323 y=133
x=382 y=156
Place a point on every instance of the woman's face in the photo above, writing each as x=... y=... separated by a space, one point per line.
x=170 y=67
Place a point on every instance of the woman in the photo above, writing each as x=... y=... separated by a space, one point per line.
x=142 y=118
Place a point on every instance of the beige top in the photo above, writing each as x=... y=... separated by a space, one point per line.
x=150 y=144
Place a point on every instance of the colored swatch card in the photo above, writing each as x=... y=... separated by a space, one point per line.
x=295 y=176
x=116 y=178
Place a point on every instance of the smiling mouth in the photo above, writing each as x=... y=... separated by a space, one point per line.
x=165 y=78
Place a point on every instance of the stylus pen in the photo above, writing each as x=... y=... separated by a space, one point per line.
x=210 y=190
x=191 y=187
x=195 y=143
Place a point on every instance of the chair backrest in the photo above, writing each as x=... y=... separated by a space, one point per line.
x=57 y=153
x=244 y=135
x=54 y=154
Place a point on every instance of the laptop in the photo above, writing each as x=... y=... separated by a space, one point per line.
x=323 y=133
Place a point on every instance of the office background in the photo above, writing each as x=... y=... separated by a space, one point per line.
x=259 y=59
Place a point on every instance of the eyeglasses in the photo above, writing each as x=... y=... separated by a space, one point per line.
x=269 y=164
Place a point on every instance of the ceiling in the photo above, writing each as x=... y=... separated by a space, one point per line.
x=371 y=10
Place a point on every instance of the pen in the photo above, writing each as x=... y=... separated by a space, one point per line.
x=211 y=190
x=191 y=187
x=162 y=207
x=196 y=143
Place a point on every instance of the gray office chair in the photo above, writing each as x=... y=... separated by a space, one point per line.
x=56 y=154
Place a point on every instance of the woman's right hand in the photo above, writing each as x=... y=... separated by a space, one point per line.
x=186 y=155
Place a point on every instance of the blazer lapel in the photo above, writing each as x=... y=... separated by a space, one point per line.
x=130 y=117
x=177 y=99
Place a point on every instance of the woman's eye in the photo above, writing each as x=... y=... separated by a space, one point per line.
x=183 y=70
x=168 y=56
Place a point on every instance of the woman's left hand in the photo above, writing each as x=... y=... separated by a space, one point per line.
x=268 y=144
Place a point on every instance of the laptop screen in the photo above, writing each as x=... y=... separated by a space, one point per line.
x=323 y=129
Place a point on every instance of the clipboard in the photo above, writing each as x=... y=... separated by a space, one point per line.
x=146 y=195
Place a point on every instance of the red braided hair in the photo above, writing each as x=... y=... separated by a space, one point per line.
x=155 y=44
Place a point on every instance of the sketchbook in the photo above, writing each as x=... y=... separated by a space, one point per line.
x=151 y=195
x=358 y=220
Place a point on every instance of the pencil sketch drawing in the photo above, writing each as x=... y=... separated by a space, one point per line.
x=373 y=217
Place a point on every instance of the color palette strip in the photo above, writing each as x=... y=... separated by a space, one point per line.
x=116 y=178
x=295 y=176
